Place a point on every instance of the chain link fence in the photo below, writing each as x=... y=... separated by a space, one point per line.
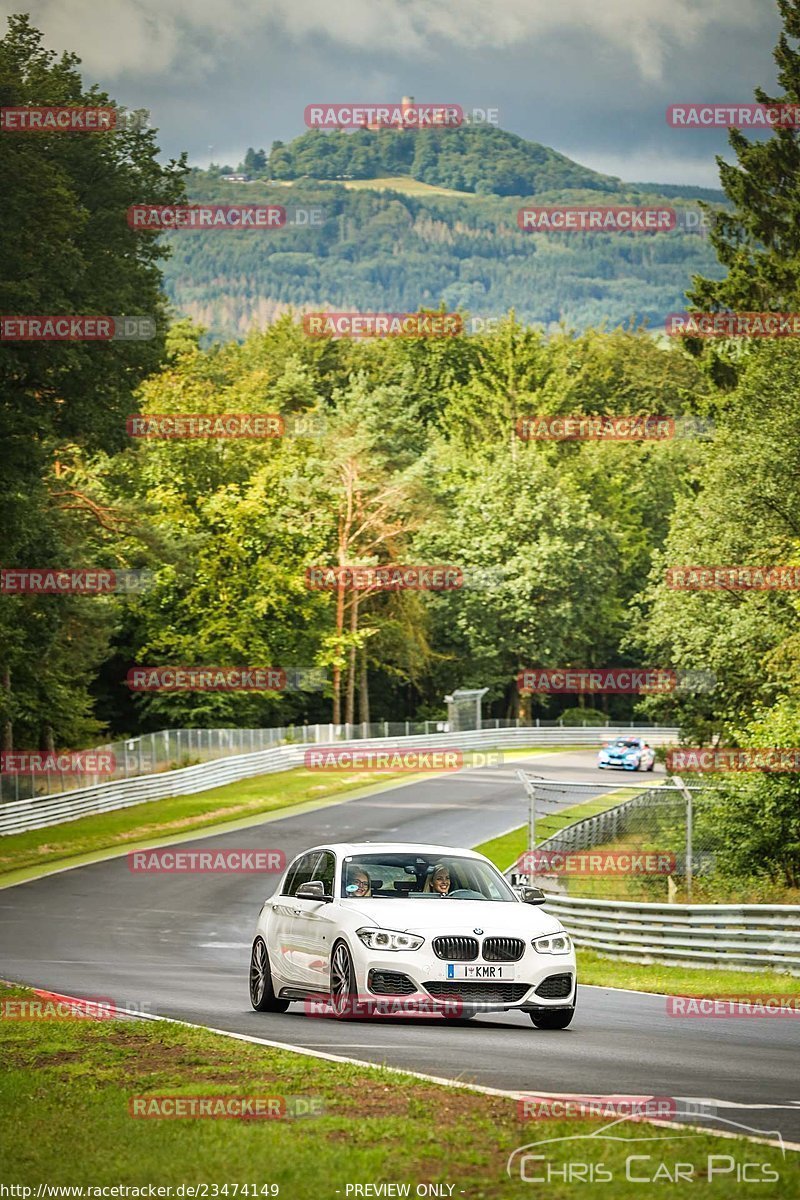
x=635 y=843
x=170 y=749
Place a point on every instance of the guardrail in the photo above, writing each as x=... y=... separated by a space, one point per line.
x=39 y=812
x=731 y=936
x=168 y=749
x=743 y=936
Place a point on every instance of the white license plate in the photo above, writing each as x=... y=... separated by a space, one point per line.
x=479 y=971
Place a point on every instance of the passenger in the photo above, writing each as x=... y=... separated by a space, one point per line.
x=438 y=881
x=358 y=883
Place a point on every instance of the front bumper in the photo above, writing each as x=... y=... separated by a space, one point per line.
x=527 y=984
x=618 y=764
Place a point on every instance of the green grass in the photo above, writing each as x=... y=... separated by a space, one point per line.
x=177 y=815
x=399 y=183
x=506 y=849
x=181 y=815
x=66 y=1086
x=600 y=971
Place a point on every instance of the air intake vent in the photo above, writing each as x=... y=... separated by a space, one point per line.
x=477 y=993
x=555 y=987
x=390 y=983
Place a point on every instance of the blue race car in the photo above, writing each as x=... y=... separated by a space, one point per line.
x=629 y=753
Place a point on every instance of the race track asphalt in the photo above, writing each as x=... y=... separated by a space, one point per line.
x=178 y=945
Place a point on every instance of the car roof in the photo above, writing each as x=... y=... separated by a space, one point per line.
x=345 y=849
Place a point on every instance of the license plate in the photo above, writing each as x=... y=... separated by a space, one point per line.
x=478 y=971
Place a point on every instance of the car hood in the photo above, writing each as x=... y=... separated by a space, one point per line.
x=432 y=917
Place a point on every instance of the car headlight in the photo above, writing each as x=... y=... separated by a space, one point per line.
x=632 y=757
x=389 y=939
x=557 y=943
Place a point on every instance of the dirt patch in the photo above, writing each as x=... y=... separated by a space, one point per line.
x=35 y=1062
x=446 y=1106
x=142 y=832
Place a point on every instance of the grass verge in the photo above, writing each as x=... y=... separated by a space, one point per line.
x=180 y=815
x=66 y=1088
x=600 y=971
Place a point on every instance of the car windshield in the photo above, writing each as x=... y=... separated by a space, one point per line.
x=630 y=744
x=415 y=876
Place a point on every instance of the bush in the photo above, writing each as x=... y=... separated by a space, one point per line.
x=583 y=716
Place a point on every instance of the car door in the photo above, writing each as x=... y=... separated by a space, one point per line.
x=312 y=928
x=280 y=936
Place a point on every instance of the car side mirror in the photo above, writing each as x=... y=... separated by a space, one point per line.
x=531 y=895
x=314 y=890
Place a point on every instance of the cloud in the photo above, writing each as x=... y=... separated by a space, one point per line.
x=187 y=37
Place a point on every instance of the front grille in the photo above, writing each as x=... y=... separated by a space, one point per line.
x=477 y=993
x=456 y=949
x=390 y=983
x=555 y=987
x=503 y=949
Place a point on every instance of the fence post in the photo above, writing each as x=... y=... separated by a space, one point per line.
x=532 y=818
x=687 y=795
x=408 y=729
x=689 y=850
x=386 y=729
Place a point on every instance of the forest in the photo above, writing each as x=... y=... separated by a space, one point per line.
x=400 y=450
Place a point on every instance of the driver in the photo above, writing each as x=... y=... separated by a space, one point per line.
x=439 y=880
x=358 y=884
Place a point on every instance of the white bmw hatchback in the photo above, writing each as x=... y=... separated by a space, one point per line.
x=434 y=925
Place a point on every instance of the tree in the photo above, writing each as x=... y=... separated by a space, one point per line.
x=255 y=161
x=745 y=510
x=67 y=249
x=758 y=242
x=377 y=494
x=538 y=567
x=754 y=817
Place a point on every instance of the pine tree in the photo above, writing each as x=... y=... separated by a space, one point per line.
x=758 y=242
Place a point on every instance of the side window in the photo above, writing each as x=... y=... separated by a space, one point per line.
x=300 y=873
x=325 y=870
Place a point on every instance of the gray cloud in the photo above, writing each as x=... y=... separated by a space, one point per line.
x=591 y=79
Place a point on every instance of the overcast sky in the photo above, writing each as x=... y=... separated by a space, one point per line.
x=591 y=78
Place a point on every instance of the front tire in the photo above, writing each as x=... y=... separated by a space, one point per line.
x=343 y=982
x=559 y=1018
x=262 y=993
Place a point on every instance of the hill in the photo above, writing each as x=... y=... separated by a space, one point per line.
x=480 y=159
x=396 y=241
